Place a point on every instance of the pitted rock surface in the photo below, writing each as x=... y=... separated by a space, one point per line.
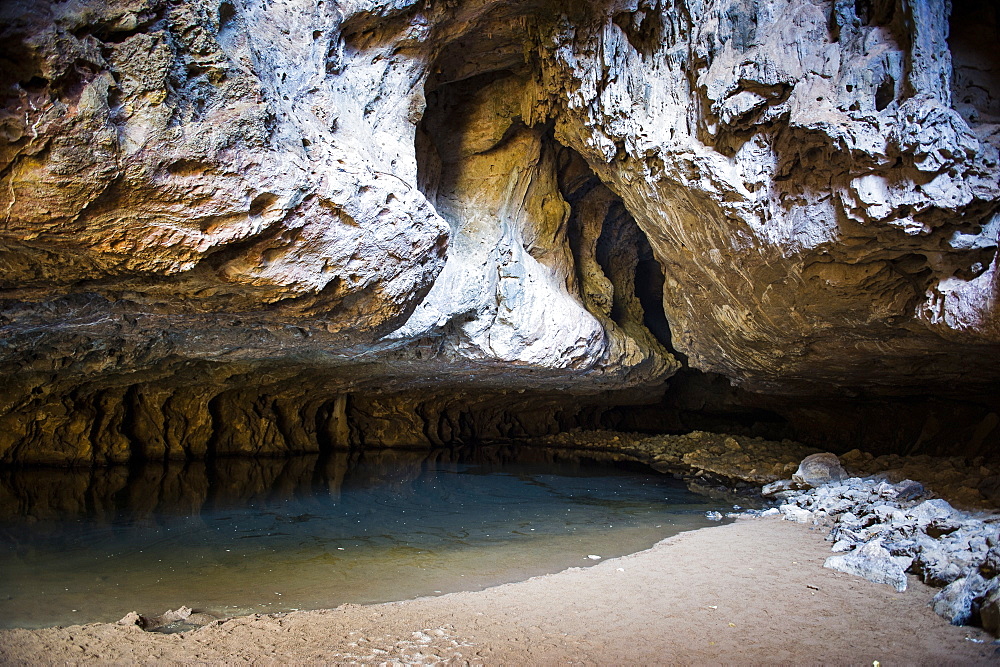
x=234 y=227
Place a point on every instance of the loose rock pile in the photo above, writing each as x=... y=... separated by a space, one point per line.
x=754 y=460
x=883 y=524
x=967 y=483
x=883 y=530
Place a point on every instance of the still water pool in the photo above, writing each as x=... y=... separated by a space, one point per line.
x=241 y=536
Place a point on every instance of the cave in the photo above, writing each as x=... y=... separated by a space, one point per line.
x=267 y=261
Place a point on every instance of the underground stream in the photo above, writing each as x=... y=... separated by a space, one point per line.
x=238 y=536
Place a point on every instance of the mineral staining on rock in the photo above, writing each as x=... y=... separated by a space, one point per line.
x=267 y=227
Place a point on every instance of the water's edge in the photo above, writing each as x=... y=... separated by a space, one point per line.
x=274 y=524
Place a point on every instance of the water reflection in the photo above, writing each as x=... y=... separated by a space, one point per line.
x=176 y=487
x=241 y=535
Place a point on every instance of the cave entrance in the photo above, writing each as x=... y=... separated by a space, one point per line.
x=238 y=536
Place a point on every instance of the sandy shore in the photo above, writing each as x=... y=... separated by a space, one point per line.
x=752 y=591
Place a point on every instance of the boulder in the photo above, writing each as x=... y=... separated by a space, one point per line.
x=818 y=469
x=990 y=567
x=130 y=619
x=182 y=613
x=960 y=601
x=174 y=615
x=774 y=488
x=201 y=618
x=931 y=510
x=796 y=513
x=909 y=490
x=941 y=527
x=873 y=562
x=934 y=564
x=989 y=612
x=841 y=546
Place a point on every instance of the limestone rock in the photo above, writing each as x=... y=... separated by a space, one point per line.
x=880 y=532
x=989 y=612
x=130 y=619
x=230 y=228
x=179 y=615
x=819 y=469
x=796 y=514
x=774 y=488
x=174 y=615
x=990 y=567
x=930 y=511
x=873 y=562
x=801 y=172
x=960 y=600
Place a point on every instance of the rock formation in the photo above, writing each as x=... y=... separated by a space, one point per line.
x=277 y=225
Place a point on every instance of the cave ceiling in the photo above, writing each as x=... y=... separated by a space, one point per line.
x=231 y=215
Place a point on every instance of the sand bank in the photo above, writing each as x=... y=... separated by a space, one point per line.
x=751 y=591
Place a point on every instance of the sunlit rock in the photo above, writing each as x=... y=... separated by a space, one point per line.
x=233 y=227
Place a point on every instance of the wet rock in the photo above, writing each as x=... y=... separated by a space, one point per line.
x=818 y=469
x=131 y=618
x=757 y=461
x=873 y=562
x=172 y=616
x=150 y=623
x=201 y=618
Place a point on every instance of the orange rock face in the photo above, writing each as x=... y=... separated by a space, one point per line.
x=239 y=227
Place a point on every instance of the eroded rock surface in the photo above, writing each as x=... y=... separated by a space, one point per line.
x=267 y=227
x=822 y=211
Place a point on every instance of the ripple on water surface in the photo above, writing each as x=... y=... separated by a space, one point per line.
x=241 y=536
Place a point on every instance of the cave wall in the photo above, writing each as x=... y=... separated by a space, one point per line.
x=260 y=226
x=823 y=213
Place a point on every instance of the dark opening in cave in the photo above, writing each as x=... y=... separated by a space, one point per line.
x=974 y=30
x=649 y=291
